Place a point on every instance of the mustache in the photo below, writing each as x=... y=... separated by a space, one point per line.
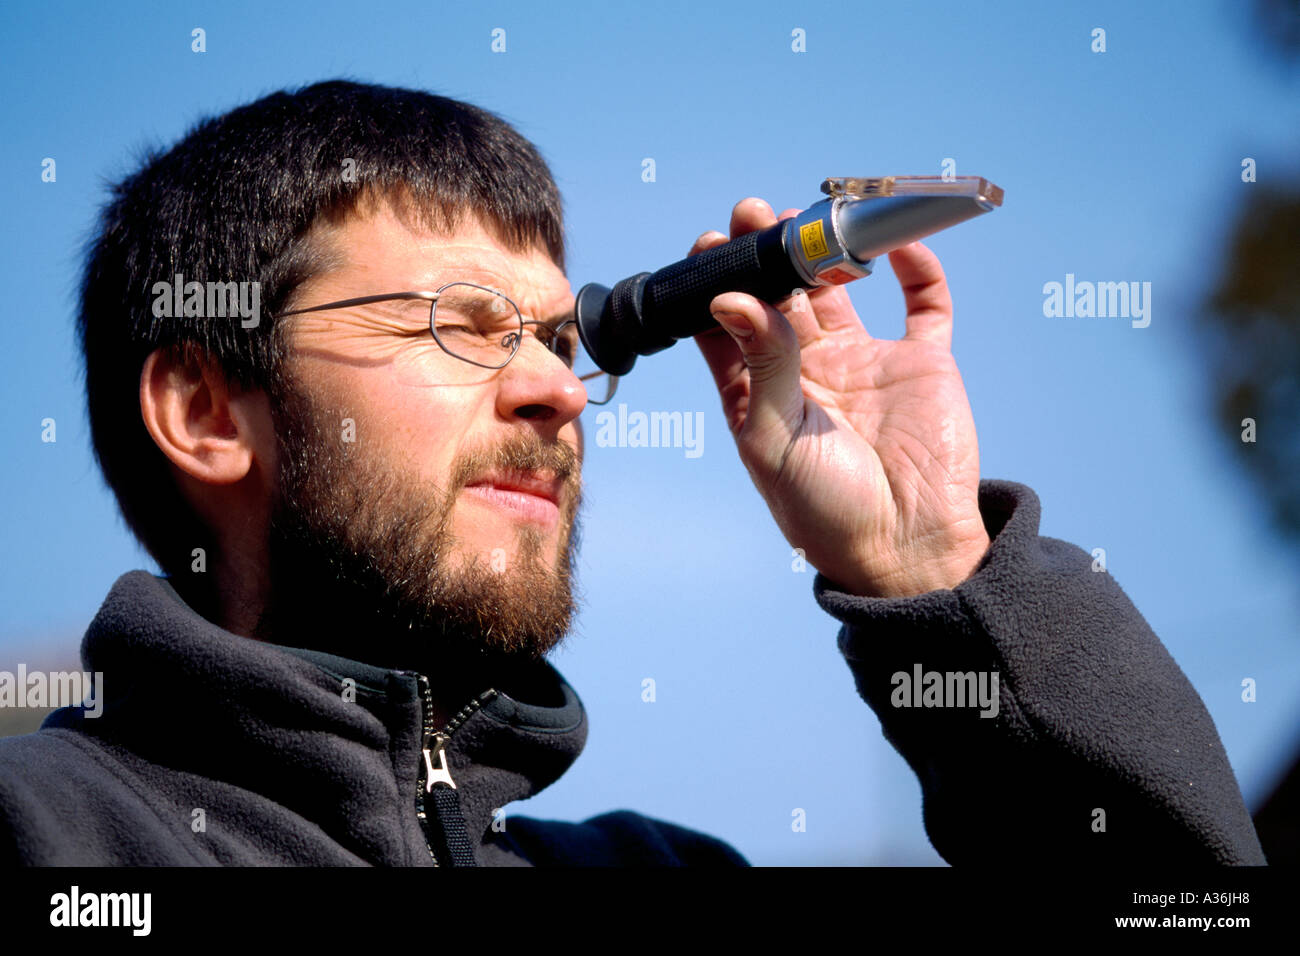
x=525 y=451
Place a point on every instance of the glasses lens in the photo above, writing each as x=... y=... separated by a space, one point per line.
x=482 y=327
x=477 y=324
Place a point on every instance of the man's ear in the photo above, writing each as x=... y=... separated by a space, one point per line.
x=207 y=430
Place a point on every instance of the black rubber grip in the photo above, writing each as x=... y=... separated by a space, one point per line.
x=674 y=302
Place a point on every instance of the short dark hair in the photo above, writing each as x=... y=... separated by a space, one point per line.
x=236 y=200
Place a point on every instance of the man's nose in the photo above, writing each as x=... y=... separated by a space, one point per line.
x=537 y=385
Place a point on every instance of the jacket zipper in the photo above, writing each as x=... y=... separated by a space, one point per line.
x=433 y=765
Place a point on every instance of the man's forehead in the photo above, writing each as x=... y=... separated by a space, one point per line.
x=378 y=246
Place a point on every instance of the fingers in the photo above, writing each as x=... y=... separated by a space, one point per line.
x=769 y=348
x=754 y=355
x=746 y=216
x=724 y=359
x=750 y=214
x=726 y=362
x=925 y=294
x=707 y=240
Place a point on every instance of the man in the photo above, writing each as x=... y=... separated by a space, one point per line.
x=365 y=499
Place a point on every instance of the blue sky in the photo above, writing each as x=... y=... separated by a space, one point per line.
x=1117 y=166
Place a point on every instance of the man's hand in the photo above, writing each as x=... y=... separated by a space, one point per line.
x=864 y=449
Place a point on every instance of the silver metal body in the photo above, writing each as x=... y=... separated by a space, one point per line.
x=821 y=252
x=837 y=240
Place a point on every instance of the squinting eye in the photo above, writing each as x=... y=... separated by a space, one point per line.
x=567 y=350
x=570 y=347
x=562 y=344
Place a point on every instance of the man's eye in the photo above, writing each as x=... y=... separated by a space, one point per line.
x=557 y=343
x=453 y=330
x=564 y=348
x=569 y=345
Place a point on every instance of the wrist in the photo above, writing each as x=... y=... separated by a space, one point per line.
x=915 y=577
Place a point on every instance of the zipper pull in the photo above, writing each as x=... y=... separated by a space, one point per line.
x=440 y=773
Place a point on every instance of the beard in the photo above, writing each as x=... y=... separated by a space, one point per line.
x=364 y=564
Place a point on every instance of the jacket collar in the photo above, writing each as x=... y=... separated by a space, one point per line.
x=285 y=723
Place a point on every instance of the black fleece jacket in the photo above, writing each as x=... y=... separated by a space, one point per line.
x=214 y=749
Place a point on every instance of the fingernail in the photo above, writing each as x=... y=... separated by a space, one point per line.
x=734 y=323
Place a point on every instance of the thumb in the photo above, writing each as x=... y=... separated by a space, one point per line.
x=770 y=348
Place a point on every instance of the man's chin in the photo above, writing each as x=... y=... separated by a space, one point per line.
x=406 y=599
x=487 y=538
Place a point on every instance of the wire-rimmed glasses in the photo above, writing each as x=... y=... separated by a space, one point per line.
x=483 y=326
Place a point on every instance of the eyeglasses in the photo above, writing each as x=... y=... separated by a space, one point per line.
x=484 y=327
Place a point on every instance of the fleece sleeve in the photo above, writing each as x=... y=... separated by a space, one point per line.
x=1097 y=750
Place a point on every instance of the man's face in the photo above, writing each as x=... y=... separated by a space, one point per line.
x=390 y=497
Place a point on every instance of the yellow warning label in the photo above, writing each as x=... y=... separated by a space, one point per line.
x=813 y=240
